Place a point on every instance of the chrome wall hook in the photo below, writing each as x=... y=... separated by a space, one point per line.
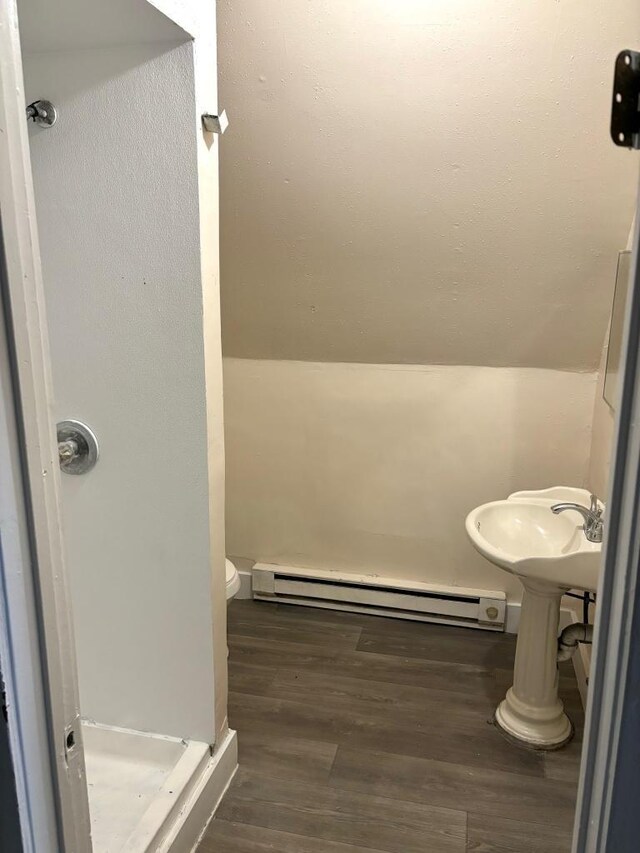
x=43 y=113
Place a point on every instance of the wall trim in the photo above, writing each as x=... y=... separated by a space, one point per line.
x=204 y=799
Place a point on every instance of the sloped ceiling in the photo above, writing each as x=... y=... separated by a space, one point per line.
x=423 y=183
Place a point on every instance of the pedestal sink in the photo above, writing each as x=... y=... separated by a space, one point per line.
x=550 y=554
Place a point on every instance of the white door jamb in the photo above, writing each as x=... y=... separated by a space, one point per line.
x=25 y=328
x=610 y=772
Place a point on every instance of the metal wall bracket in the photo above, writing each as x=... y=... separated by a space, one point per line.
x=625 y=109
x=77 y=447
x=43 y=113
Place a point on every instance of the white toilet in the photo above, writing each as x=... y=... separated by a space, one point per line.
x=233 y=580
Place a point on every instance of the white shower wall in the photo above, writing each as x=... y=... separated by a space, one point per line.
x=116 y=183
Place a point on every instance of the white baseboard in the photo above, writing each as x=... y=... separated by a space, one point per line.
x=204 y=799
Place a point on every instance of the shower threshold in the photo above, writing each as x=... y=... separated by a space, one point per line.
x=140 y=787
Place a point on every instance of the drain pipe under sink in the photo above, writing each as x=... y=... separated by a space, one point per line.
x=568 y=640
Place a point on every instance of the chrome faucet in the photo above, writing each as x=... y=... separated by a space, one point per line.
x=593 y=525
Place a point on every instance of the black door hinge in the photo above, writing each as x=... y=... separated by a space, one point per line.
x=625 y=109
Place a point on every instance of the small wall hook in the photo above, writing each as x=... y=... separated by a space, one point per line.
x=215 y=124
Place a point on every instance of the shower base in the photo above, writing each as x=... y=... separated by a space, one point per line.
x=143 y=788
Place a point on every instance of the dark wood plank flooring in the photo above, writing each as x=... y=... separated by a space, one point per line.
x=359 y=733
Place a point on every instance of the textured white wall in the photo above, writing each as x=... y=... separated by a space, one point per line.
x=374 y=467
x=422 y=182
x=116 y=185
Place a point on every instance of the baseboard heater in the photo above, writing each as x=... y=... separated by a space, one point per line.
x=472 y=608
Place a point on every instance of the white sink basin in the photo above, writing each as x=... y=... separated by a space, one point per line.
x=523 y=536
x=550 y=554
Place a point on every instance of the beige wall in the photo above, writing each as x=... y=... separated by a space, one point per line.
x=374 y=467
x=412 y=183
x=421 y=182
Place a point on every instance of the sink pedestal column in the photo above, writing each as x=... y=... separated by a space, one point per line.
x=531 y=710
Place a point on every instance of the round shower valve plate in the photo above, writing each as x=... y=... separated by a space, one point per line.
x=77 y=447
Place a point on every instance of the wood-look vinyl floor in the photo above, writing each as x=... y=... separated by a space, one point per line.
x=360 y=733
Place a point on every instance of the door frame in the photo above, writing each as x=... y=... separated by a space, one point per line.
x=610 y=767
x=38 y=642
x=23 y=676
